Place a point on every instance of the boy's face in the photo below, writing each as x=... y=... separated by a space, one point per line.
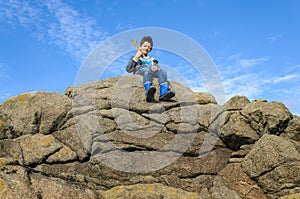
x=145 y=48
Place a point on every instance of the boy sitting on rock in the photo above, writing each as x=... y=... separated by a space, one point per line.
x=145 y=65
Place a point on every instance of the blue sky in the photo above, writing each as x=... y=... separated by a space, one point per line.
x=254 y=44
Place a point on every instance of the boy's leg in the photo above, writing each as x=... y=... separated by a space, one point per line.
x=146 y=75
x=149 y=88
x=165 y=92
x=161 y=76
x=150 y=91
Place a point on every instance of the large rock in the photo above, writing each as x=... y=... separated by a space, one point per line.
x=17 y=182
x=35 y=112
x=236 y=103
x=103 y=140
x=236 y=179
x=267 y=117
x=151 y=191
x=293 y=129
x=232 y=127
x=237 y=132
x=268 y=153
x=274 y=162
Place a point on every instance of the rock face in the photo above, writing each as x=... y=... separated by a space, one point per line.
x=103 y=140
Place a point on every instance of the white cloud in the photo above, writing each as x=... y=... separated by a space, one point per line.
x=239 y=78
x=293 y=102
x=252 y=62
x=18 y=13
x=56 y=23
x=249 y=85
x=293 y=68
x=76 y=34
x=285 y=78
x=234 y=57
x=234 y=64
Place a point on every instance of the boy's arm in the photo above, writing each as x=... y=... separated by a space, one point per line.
x=133 y=65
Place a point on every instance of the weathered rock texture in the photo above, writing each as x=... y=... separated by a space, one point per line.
x=102 y=140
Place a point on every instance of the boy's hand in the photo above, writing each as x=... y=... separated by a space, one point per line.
x=154 y=68
x=138 y=54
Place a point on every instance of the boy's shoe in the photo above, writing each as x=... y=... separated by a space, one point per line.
x=165 y=92
x=150 y=91
x=150 y=94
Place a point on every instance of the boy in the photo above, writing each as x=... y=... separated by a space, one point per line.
x=142 y=64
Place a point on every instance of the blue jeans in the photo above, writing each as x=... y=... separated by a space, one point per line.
x=148 y=75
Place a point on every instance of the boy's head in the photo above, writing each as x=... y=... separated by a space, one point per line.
x=147 y=39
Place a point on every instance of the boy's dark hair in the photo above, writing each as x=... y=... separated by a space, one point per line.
x=148 y=39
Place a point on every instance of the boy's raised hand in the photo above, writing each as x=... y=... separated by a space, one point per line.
x=138 y=53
